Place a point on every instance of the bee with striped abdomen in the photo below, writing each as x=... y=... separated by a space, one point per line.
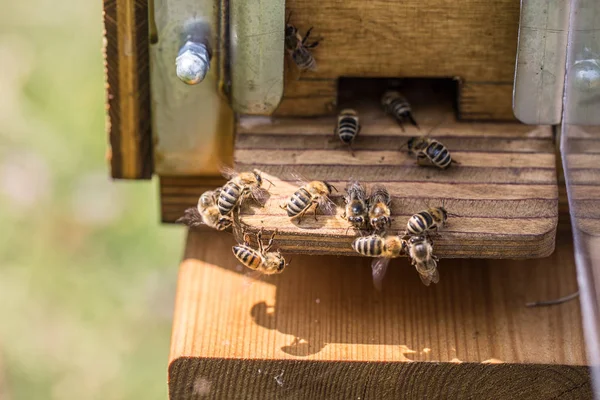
x=206 y=213
x=425 y=221
x=347 y=127
x=356 y=209
x=396 y=105
x=311 y=194
x=238 y=188
x=298 y=48
x=384 y=248
x=420 y=251
x=380 y=202
x=261 y=260
x=430 y=152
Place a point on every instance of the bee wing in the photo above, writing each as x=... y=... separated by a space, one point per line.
x=425 y=278
x=379 y=267
x=250 y=278
x=327 y=205
x=191 y=217
x=381 y=193
x=227 y=172
x=300 y=179
x=435 y=276
x=261 y=195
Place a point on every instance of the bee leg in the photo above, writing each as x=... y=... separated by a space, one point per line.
x=259 y=240
x=421 y=158
x=351 y=151
x=454 y=162
x=401 y=125
x=316 y=208
x=412 y=121
x=270 y=244
x=305 y=38
x=313 y=44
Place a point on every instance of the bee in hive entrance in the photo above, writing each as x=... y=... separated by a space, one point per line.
x=428 y=220
x=380 y=202
x=385 y=248
x=430 y=152
x=420 y=250
x=206 y=213
x=261 y=260
x=298 y=48
x=397 y=106
x=238 y=188
x=347 y=127
x=356 y=210
x=315 y=193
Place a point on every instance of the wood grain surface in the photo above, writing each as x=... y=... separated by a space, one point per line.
x=470 y=40
x=320 y=330
x=503 y=194
x=127 y=73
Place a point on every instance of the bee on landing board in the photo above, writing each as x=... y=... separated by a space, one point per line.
x=420 y=251
x=356 y=209
x=379 y=208
x=396 y=105
x=299 y=48
x=384 y=248
x=238 y=188
x=430 y=152
x=313 y=194
x=261 y=260
x=347 y=127
x=428 y=220
x=206 y=213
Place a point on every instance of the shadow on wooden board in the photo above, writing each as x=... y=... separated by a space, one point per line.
x=320 y=330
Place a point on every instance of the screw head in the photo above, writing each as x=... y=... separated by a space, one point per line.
x=193 y=63
x=586 y=74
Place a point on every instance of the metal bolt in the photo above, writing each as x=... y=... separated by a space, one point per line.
x=193 y=62
x=587 y=74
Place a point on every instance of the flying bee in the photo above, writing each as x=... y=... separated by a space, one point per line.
x=261 y=260
x=384 y=248
x=379 y=208
x=315 y=193
x=430 y=151
x=396 y=105
x=347 y=127
x=238 y=188
x=298 y=48
x=431 y=219
x=420 y=250
x=206 y=213
x=356 y=209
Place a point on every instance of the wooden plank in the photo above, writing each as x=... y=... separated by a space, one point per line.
x=486 y=101
x=128 y=88
x=498 y=195
x=320 y=330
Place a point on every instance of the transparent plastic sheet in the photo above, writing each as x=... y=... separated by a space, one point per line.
x=580 y=150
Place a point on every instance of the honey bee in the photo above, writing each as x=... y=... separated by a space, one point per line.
x=384 y=248
x=261 y=260
x=347 y=127
x=206 y=213
x=315 y=193
x=379 y=208
x=430 y=152
x=431 y=219
x=298 y=48
x=356 y=208
x=420 y=250
x=238 y=188
x=396 y=105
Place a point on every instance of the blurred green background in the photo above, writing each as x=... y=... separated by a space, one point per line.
x=87 y=272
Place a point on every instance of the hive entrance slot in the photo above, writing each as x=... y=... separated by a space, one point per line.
x=503 y=194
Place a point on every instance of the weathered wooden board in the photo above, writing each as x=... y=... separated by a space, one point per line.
x=503 y=194
x=320 y=330
x=127 y=73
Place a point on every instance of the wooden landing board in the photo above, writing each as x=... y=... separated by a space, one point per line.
x=503 y=194
x=320 y=330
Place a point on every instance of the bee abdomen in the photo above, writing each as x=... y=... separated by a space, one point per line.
x=247 y=256
x=438 y=154
x=400 y=108
x=420 y=222
x=347 y=129
x=304 y=59
x=370 y=246
x=228 y=197
x=299 y=201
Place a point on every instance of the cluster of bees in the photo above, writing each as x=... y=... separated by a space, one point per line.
x=370 y=214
